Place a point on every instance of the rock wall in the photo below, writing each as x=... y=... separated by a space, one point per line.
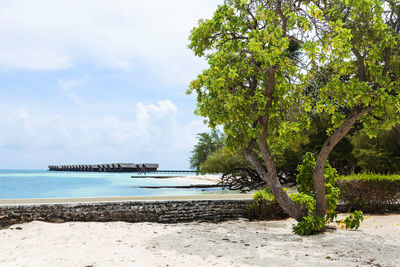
x=129 y=211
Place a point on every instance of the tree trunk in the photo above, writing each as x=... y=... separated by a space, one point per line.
x=396 y=134
x=271 y=178
x=330 y=143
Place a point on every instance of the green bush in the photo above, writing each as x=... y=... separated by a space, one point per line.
x=263 y=195
x=370 y=192
x=305 y=181
x=264 y=206
x=371 y=177
x=353 y=220
x=306 y=200
x=313 y=224
x=260 y=198
x=222 y=161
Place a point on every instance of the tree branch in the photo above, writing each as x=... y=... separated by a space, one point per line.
x=362 y=73
x=330 y=143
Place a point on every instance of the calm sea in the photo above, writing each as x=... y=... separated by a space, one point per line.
x=45 y=184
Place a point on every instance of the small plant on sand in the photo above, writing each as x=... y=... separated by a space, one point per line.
x=313 y=224
x=352 y=221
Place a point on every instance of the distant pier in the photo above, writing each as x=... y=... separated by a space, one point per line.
x=111 y=167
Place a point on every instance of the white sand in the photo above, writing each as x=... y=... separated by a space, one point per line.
x=232 y=243
x=198 y=179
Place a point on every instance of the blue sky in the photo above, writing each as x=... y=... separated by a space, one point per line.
x=95 y=81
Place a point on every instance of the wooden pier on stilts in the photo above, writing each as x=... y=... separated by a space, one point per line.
x=110 y=167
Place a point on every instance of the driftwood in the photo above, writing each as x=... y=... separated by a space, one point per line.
x=247 y=179
x=242 y=179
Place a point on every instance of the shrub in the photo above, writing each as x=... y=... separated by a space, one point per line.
x=313 y=224
x=306 y=200
x=222 y=161
x=353 y=220
x=264 y=206
x=370 y=192
x=306 y=195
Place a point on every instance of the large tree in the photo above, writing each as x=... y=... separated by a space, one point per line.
x=255 y=87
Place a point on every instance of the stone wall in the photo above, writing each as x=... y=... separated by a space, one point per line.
x=129 y=211
x=161 y=211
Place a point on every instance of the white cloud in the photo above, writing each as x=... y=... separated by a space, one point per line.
x=33 y=59
x=152 y=134
x=68 y=85
x=47 y=34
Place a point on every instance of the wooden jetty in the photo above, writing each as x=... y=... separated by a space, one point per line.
x=110 y=167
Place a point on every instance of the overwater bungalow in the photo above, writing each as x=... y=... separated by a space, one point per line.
x=150 y=167
x=115 y=167
x=110 y=167
x=128 y=167
x=94 y=168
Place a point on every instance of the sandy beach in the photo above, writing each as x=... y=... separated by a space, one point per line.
x=231 y=243
x=198 y=179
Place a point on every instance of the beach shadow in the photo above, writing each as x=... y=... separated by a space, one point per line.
x=255 y=243
x=4 y=225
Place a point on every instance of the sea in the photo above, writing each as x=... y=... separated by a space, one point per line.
x=25 y=184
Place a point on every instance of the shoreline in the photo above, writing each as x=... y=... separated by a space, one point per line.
x=122 y=199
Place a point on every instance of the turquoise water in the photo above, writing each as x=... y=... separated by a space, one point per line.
x=44 y=184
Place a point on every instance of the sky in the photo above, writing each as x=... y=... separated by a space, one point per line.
x=98 y=81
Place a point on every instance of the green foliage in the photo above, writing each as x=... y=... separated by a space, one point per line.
x=310 y=225
x=371 y=177
x=355 y=152
x=260 y=198
x=353 y=220
x=311 y=140
x=231 y=92
x=206 y=145
x=305 y=178
x=332 y=196
x=380 y=154
x=306 y=195
x=241 y=42
x=223 y=161
x=306 y=200
x=263 y=195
